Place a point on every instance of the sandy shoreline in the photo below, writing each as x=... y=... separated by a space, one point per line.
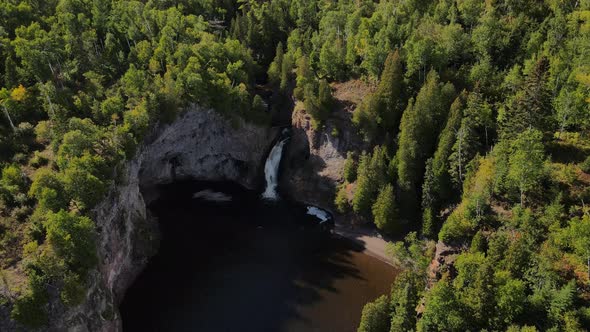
x=369 y=239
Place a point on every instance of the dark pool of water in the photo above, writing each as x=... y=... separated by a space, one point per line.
x=248 y=266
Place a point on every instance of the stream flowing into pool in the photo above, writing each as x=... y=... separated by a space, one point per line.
x=231 y=259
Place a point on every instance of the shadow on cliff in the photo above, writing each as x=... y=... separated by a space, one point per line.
x=239 y=266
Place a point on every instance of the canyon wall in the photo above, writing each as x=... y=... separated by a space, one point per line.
x=200 y=144
x=315 y=158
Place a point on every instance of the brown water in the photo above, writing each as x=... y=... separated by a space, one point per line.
x=249 y=266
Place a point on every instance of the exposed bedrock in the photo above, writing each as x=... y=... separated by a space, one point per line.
x=200 y=144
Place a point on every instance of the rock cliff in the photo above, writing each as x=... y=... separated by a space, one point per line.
x=200 y=144
x=315 y=158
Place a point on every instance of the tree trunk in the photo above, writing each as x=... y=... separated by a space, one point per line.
x=8 y=117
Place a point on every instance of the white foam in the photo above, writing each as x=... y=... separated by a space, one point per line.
x=212 y=196
x=318 y=213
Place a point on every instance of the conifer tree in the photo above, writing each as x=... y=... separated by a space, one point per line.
x=375 y=316
x=405 y=295
x=276 y=67
x=385 y=210
x=470 y=137
x=372 y=175
x=418 y=132
x=440 y=163
x=361 y=203
x=389 y=93
x=526 y=162
x=531 y=107
x=350 y=167
x=381 y=112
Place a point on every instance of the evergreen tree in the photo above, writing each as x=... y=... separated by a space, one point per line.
x=479 y=296
x=375 y=316
x=361 y=203
x=385 y=211
x=286 y=72
x=341 y=199
x=526 y=162
x=531 y=107
x=443 y=311
x=470 y=136
x=405 y=296
x=381 y=112
x=389 y=93
x=419 y=129
x=429 y=201
x=437 y=190
x=350 y=167
x=276 y=67
x=372 y=171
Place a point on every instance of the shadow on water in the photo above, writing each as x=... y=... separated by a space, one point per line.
x=247 y=265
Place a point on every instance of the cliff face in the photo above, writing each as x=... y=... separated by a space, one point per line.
x=201 y=145
x=315 y=158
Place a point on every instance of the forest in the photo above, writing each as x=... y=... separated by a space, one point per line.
x=479 y=127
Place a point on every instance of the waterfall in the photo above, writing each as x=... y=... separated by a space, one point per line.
x=271 y=171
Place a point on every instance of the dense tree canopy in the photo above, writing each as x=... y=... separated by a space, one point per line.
x=476 y=131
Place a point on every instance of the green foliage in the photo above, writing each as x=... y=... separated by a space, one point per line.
x=443 y=310
x=372 y=172
x=365 y=188
x=411 y=254
x=385 y=210
x=585 y=165
x=511 y=300
x=471 y=212
x=526 y=162
x=30 y=308
x=429 y=200
x=341 y=199
x=73 y=239
x=275 y=68
x=418 y=132
x=318 y=103
x=531 y=106
x=49 y=190
x=13 y=179
x=350 y=167
x=471 y=136
x=82 y=85
x=405 y=297
x=380 y=113
x=74 y=291
x=258 y=113
x=375 y=316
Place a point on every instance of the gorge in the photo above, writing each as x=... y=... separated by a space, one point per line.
x=191 y=197
x=233 y=259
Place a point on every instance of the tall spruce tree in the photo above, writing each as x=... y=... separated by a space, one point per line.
x=470 y=137
x=419 y=129
x=385 y=210
x=389 y=93
x=437 y=189
x=531 y=107
x=380 y=113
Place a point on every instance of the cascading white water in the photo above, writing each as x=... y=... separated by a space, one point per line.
x=271 y=171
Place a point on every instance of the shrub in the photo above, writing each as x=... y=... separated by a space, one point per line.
x=375 y=316
x=350 y=167
x=585 y=165
x=341 y=200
